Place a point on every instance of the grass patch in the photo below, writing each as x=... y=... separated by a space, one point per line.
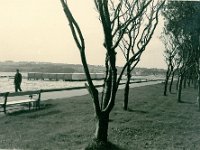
x=152 y=122
x=97 y=145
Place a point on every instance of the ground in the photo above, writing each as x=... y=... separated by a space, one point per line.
x=152 y=122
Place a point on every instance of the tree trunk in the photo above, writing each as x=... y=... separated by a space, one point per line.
x=126 y=94
x=192 y=80
x=198 y=94
x=185 y=81
x=165 y=87
x=126 y=90
x=189 y=82
x=195 y=83
x=171 y=82
x=101 y=133
x=166 y=82
x=180 y=88
x=198 y=79
x=177 y=82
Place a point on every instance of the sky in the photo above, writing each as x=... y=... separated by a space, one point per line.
x=37 y=30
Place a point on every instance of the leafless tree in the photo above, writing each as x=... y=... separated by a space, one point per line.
x=136 y=38
x=170 y=58
x=111 y=14
x=187 y=62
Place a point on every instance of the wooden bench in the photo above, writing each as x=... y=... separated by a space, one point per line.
x=28 y=97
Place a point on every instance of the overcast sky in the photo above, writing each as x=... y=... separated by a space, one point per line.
x=37 y=30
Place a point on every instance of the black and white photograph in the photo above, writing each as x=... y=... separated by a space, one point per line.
x=100 y=74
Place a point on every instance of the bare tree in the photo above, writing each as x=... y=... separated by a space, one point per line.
x=176 y=64
x=170 y=53
x=136 y=38
x=111 y=14
x=186 y=62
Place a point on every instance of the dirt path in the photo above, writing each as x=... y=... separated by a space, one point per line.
x=72 y=93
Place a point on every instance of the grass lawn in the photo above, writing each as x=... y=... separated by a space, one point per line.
x=152 y=122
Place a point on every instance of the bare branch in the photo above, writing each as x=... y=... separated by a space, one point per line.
x=81 y=45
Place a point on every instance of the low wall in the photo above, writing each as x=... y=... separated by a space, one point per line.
x=38 y=76
x=67 y=77
x=31 y=75
x=63 y=76
x=78 y=76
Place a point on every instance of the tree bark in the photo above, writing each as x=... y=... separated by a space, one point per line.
x=171 y=82
x=177 y=82
x=180 y=88
x=195 y=83
x=185 y=81
x=127 y=87
x=198 y=75
x=101 y=132
x=198 y=94
x=166 y=81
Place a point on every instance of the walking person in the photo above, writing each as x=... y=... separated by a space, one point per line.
x=18 y=81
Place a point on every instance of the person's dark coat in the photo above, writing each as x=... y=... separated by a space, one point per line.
x=18 y=79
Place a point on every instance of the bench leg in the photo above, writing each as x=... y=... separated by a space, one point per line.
x=29 y=105
x=4 y=109
x=37 y=105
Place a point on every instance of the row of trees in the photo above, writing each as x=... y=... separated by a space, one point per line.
x=128 y=25
x=181 y=37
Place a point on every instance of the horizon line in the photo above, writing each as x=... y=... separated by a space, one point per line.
x=69 y=64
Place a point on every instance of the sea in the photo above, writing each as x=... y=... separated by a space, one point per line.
x=7 y=82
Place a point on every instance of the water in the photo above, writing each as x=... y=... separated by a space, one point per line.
x=7 y=83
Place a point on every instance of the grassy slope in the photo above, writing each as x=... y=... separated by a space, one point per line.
x=153 y=122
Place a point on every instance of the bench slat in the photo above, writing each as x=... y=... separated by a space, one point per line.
x=20 y=101
x=6 y=102
x=24 y=93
